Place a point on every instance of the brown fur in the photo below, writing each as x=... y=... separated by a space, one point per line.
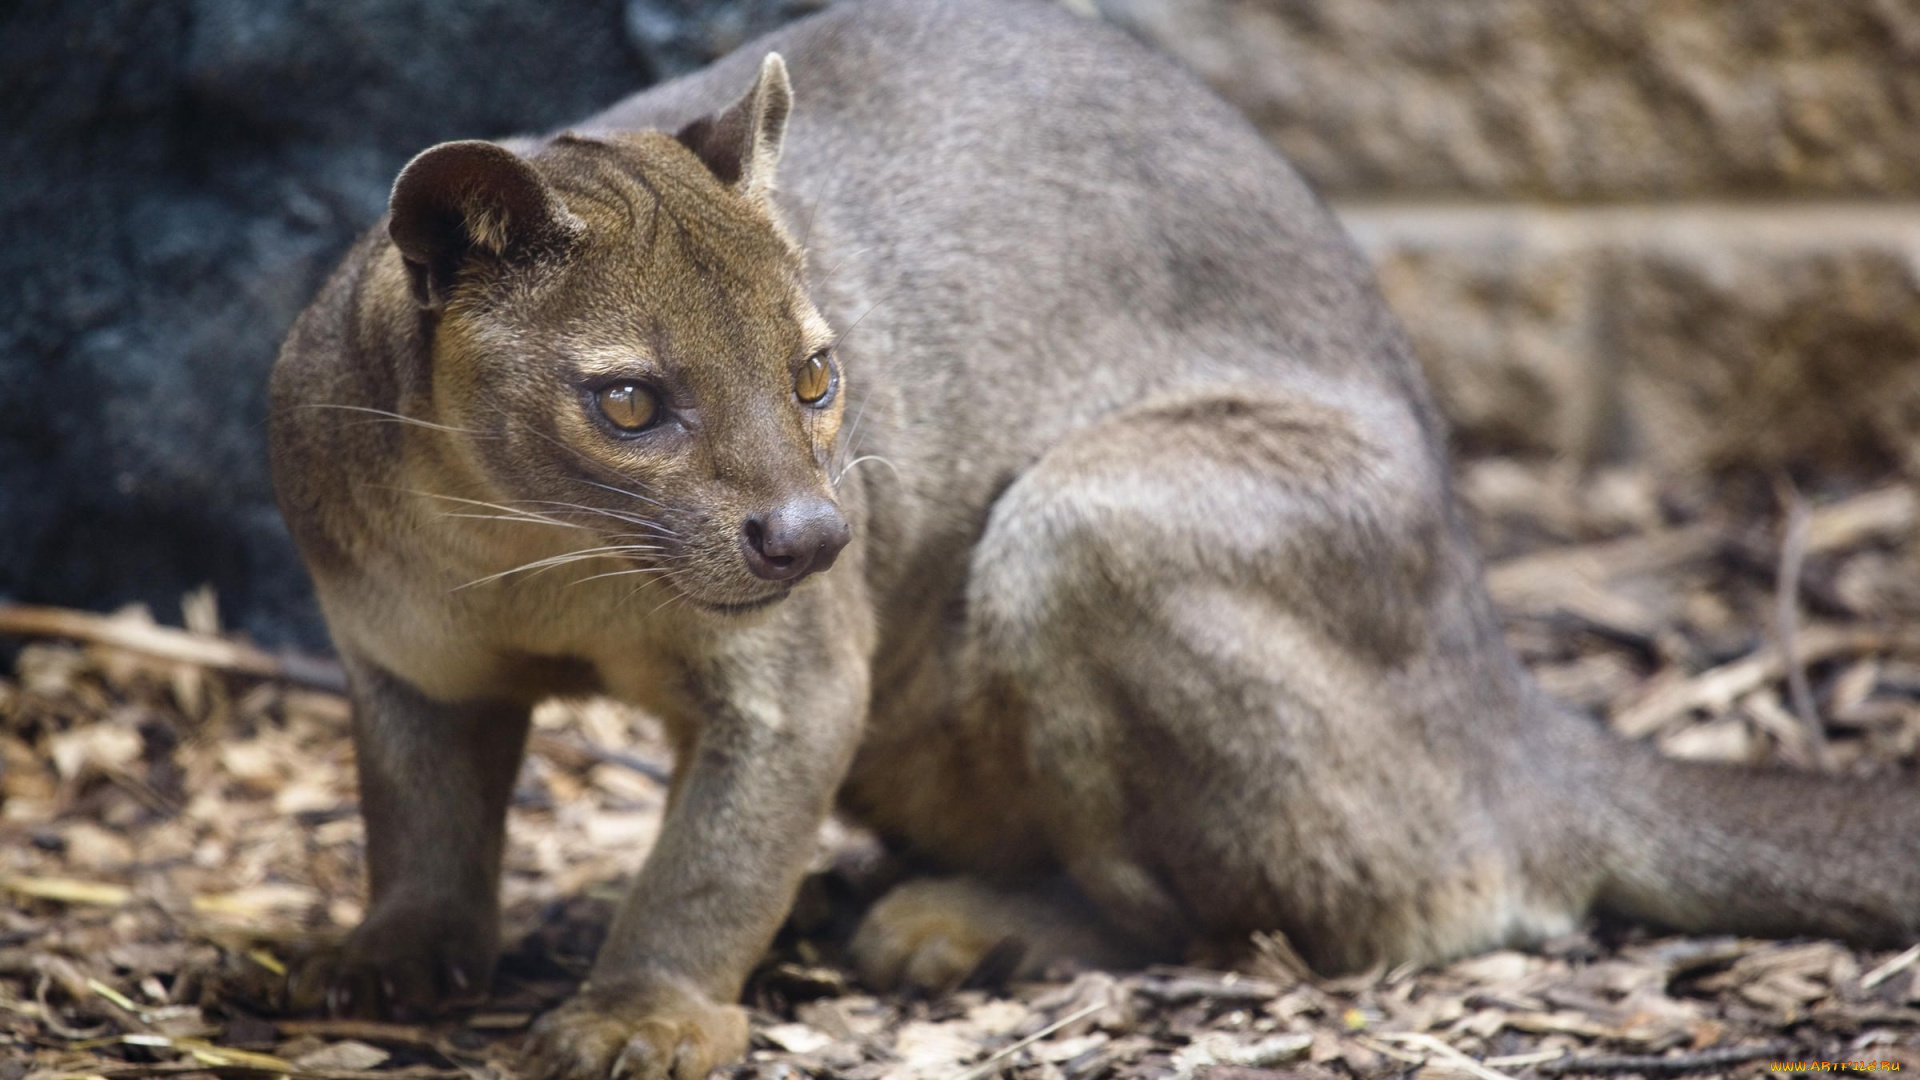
x=1158 y=620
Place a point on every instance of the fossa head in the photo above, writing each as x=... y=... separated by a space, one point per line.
x=622 y=339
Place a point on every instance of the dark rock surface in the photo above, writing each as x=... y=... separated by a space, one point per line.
x=178 y=178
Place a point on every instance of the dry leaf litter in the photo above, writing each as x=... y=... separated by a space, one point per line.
x=179 y=825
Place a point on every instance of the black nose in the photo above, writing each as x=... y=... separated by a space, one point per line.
x=800 y=537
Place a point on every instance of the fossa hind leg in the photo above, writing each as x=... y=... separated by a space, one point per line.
x=1219 y=627
x=934 y=934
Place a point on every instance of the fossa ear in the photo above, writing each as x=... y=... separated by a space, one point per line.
x=462 y=199
x=741 y=143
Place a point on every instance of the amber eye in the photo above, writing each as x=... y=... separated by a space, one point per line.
x=815 y=380
x=629 y=406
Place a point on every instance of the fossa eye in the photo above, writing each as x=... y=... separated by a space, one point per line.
x=815 y=382
x=630 y=407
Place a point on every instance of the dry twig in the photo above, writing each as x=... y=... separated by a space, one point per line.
x=169 y=644
x=986 y=1066
x=1786 y=616
x=1661 y=1064
x=1718 y=688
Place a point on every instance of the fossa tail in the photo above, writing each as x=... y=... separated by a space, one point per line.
x=1766 y=852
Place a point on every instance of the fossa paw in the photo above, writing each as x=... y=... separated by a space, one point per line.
x=402 y=963
x=636 y=1031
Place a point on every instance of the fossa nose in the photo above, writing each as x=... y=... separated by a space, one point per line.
x=800 y=537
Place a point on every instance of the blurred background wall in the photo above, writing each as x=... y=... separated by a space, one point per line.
x=1684 y=233
x=1680 y=230
x=179 y=177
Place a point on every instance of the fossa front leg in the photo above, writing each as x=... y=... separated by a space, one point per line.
x=755 y=779
x=435 y=780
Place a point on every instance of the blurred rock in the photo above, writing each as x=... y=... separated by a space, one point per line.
x=1566 y=98
x=180 y=177
x=677 y=36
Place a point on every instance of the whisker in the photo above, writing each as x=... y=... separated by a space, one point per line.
x=616 y=515
x=388 y=415
x=519 y=514
x=572 y=556
x=622 y=491
x=621 y=573
x=538 y=434
x=847 y=445
x=521 y=519
x=837 y=264
x=848 y=467
x=666 y=575
x=589 y=461
x=638 y=536
x=806 y=234
x=672 y=595
x=841 y=338
x=539 y=566
x=528 y=515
